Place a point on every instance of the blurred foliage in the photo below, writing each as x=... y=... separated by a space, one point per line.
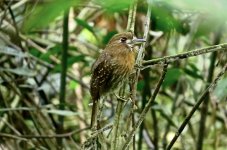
x=45 y=12
x=30 y=66
x=112 y=6
x=221 y=90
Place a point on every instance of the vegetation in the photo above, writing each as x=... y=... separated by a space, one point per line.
x=175 y=99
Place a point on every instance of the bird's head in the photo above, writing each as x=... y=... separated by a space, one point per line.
x=124 y=40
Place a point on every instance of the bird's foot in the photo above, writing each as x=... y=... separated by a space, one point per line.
x=120 y=98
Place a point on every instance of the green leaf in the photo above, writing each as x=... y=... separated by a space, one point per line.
x=84 y=24
x=163 y=17
x=46 y=12
x=73 y=85
x=221 y=89
x=70 y=61
x=108 y=36
x=140 y=85
x=193 y=71
x=20 y=71
x=52 y=51
x=114 y=5
x=164 y=114
x=172 y=76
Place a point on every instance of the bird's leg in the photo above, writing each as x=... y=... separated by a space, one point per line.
x=138 y=66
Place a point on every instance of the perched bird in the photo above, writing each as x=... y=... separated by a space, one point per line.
x=112 y=67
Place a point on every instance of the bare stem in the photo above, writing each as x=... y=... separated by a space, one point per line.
x=130 y=27
x=132 y=16
x=63 y=73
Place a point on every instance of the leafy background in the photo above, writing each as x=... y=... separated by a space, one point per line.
x=31 y=35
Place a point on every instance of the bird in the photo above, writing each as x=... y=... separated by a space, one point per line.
x=112 y=68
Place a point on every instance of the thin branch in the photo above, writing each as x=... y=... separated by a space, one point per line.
x=97 y=132
x=16 y=137
x=201 y=99
x=25 y=108
x=169 y=59
x=25 y=137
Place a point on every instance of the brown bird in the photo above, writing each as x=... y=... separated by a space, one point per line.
x=112 y=67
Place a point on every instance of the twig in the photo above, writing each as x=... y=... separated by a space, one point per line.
x=201 y=99
x=169 y=59
x=25 y=137
x=146 y=108
x=25 y=108
x=97 y=132
x=12 y=136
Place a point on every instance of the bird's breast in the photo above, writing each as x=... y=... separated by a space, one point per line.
x=124 y=63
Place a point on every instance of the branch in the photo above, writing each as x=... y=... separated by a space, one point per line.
x=169 y=59
x=201 y=99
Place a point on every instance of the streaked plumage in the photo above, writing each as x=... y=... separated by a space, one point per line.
x=111 y=68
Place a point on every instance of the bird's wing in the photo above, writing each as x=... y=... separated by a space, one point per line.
x=100 y=75
x=103 y=56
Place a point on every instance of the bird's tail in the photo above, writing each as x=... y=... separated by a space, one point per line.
x=94 y=113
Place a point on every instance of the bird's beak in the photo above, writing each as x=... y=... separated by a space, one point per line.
x=134 y=41
x=138 y=41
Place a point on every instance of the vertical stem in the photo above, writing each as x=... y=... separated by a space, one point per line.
x=139 y=59
x=146 y=109
x=141 y=51
x=116 y=124
x=130 y=27
x=145 y=93
x=204 y=108
x=63 y=74
x=132 y=16
x=155 y=128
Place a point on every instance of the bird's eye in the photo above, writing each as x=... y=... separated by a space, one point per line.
x=123 y=39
